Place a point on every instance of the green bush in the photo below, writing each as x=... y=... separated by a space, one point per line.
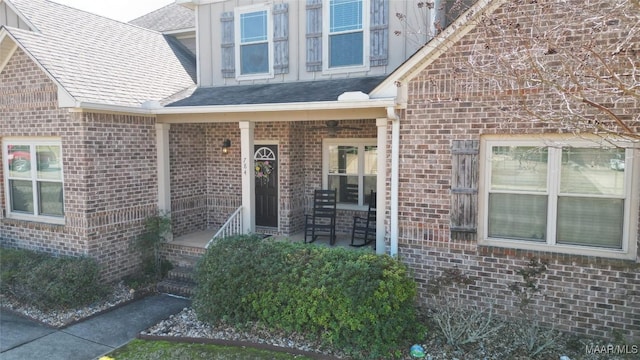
x=156 y=229
x=49 y=282
x=361 y=303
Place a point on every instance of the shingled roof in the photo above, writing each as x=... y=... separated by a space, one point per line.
x=167 y=19
x=294 y=92
x=102 y=61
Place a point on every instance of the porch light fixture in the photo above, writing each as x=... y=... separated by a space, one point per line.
x=226 y=144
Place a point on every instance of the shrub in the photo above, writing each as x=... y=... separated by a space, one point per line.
x=49 y=282
x=459 y=323
x=156 y=229
x=361 y=303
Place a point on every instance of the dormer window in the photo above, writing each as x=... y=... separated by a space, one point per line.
x=254 y=41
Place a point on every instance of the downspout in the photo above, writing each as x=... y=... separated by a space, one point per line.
x=395 y=166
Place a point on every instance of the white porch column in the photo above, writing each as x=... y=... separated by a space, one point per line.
x=381 y=188
x=248 y=178
x=164 y=174
x=395 y=166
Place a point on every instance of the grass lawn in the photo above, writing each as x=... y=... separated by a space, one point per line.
x=143 y=350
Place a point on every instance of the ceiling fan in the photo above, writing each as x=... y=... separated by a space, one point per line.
x=333 y=126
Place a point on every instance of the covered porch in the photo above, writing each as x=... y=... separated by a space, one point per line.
x=211 y=163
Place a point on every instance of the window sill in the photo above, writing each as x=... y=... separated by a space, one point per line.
x=345 y=69
x=38 y=219
x=252 y=77
x=629 y=254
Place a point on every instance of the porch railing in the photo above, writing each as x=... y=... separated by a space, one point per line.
x=232 y=227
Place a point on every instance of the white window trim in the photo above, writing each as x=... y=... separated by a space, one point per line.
x=5 y=161
x=360 y=142
x=630 y=224
x=237 y=34
x=366 y=10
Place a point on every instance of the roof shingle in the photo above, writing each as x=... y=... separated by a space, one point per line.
x=169 y=18
x=293 y=92
x=99 y=60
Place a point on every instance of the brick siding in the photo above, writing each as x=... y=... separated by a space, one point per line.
x=109 y=164
x=587 y=295
x=205 y=184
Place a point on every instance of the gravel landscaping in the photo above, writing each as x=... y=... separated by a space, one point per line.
x=503 y=345
x=120 y=294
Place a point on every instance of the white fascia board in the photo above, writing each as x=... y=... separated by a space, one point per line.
x=7 y=48
x=432 y=50
x=192 y=3
x=88 y=106
x=186 y=32
x=303 y=106
x=65 y=100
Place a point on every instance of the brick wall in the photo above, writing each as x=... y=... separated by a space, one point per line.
x=448 y=102
x=109 y=165
x=116 y=157
x=23 y=88
x=206 y=186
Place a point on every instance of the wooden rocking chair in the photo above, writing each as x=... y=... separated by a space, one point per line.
x=322 y=220
x=364 y=228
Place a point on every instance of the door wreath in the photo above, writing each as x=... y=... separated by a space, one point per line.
x=263 y=169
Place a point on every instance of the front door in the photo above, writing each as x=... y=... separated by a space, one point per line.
x=266 y=173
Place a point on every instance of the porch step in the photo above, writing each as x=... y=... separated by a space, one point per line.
x=186 y=261
x=180 y=281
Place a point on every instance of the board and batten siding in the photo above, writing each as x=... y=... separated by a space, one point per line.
x=280 y=14
x=464 y=189
x=297 y=43
x=10 y=18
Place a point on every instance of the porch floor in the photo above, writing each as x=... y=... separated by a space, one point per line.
x=201 y=238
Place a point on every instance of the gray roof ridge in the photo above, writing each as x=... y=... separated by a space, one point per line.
x=96 y=59
x=149 y=13
x=73 y=9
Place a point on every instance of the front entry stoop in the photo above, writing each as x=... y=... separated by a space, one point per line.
x=180 y=281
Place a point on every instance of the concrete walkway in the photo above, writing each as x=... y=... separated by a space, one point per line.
x=21 y=338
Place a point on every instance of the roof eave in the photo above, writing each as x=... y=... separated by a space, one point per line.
x=110 y=108
x=278 y=107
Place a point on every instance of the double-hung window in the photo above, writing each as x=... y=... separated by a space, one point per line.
x=350 y=167
x=346 y=33
x=34 y=179
x=254 y=38
x=573 y=196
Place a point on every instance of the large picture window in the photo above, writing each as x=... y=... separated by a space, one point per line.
x=346 y=32
x=573 y=196
x=254 y=37
x=350 y=167
x=34 y=179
